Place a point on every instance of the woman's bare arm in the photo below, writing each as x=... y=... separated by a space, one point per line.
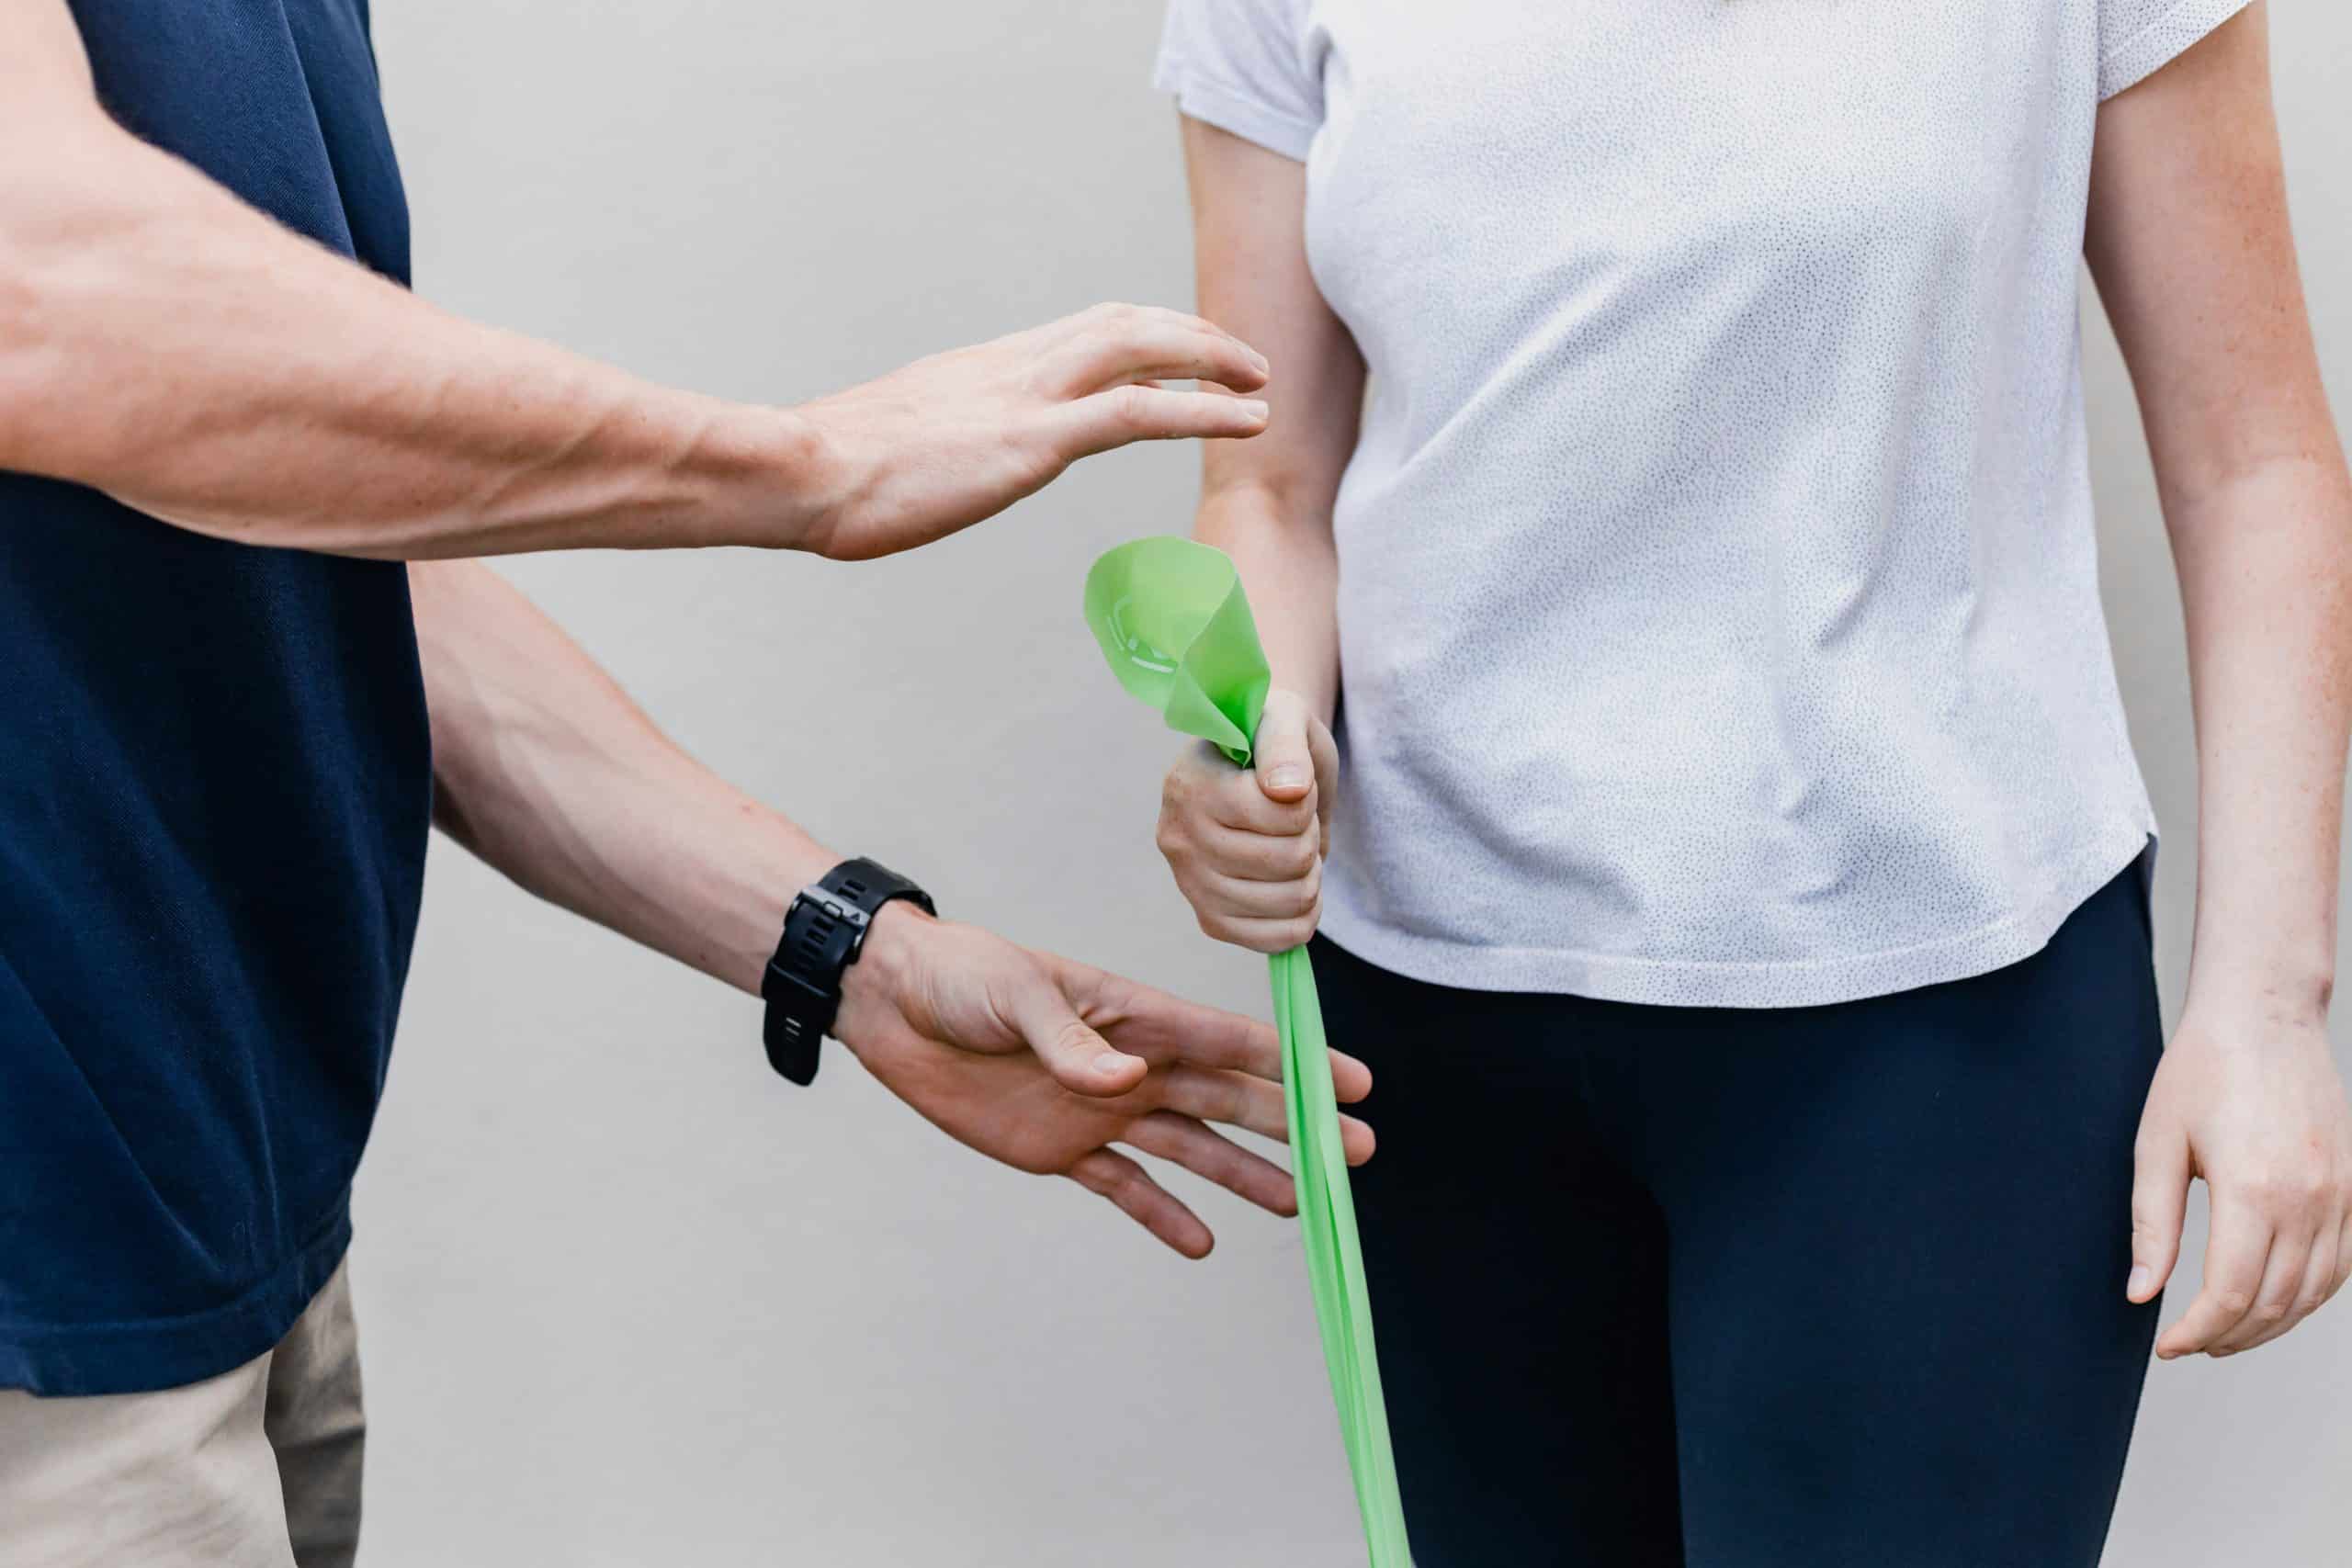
x=2189 y=241
x=1246 y=847
x=1267 y=502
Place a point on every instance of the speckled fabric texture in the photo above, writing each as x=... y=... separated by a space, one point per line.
x=1719 y=611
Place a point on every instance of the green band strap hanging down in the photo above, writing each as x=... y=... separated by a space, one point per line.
x=1176 y=627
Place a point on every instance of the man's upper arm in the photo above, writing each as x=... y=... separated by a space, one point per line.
x=2189 y=244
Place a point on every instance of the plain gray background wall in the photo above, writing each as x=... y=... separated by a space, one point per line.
x=627 y=1299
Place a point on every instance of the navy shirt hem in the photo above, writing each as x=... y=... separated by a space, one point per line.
x=142 y=1355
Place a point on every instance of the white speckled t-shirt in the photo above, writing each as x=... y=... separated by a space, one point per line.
x=1719 y=618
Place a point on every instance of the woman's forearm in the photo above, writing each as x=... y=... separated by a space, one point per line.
x=2188 y=236
x=2266 y=571
x=1292 y=572
x=1268 y=503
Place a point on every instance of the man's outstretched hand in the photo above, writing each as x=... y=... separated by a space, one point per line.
x=948 y=441
x=1044 y=1064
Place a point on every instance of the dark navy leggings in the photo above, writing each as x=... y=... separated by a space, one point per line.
x=1833 y=1287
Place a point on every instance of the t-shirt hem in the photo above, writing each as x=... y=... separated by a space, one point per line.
x=2160 y=41
x=1796 y=983
x=56 y=1360
x=1229 y=110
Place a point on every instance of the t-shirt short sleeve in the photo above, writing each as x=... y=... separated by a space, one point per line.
x=2136 y=37
x=1243 y=66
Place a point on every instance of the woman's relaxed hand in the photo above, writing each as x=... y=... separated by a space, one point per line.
x=2252 y=1105
x=1247 y=845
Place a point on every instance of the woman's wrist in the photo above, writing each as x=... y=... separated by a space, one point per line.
x=2276 y=994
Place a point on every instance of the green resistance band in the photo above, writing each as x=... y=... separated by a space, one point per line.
x=1176 y=627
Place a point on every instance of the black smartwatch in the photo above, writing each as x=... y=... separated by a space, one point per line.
x=823 y=933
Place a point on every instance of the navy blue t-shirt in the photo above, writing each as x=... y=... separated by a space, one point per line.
x=215 y=785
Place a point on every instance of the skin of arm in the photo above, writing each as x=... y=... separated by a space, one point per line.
x=164 y=343
x=1247 y=846
x=2189 y=244
x=545 y=769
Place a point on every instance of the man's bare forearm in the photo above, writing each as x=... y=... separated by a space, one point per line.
x=163 y=341
x=547 y=770
x=168 y=343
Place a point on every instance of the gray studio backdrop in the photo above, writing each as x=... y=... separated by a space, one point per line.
x=626 y=1298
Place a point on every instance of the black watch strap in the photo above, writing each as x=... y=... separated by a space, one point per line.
x=823 y=933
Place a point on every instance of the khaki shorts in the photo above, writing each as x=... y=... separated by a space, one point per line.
x=257 y=1468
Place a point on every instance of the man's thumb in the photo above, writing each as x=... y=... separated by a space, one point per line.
x=1081 y=1060
x=1285 y=766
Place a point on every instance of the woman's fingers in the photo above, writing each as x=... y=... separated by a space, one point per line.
x=2273 y=1311
x=1295 y=756
x=1109 y=1174
x=2235 y=1257
x=1257 y=934
x=1326 y=753
x=2309 y=1293
x=1203 y=790
x=1255 y=857
x=1182 y=1140
x=2159 y=1204
x=1298 y=896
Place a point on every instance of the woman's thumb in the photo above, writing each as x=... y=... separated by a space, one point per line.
x=1285 y=765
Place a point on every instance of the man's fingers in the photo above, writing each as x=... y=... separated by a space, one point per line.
x=1252 y=1104
x=2159 y=1203
x=1350 y=1080
x=1284 y=763
x=1167 y=1030
x=1112 y=315
x=1181 y=1140
x=1081 y=1060
x=1235 y=1099
x=2234 y=1256
x=1153 y=349
x=1105 y=420
x=1109 y=1174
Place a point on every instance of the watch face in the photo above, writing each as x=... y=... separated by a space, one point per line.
x=823 y=933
